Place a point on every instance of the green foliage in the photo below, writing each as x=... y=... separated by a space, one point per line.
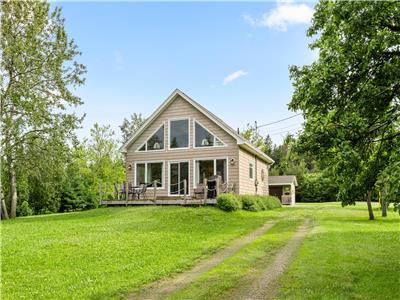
x=263 y=143
x=389 y=181
x=39 y=73
x=229 y=202
x=350 y=95
x=24 y=209
x=316 y=187
x=129 y=127
x=258 y=202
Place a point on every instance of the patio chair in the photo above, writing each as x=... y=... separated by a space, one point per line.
x=142 y=191
x=199 y=191
x=120 y=191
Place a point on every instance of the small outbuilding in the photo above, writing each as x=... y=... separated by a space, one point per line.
x=283 y=187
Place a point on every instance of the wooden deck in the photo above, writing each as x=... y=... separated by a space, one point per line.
x=157 y=202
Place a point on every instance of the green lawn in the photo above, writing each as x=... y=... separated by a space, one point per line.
x=105 y=253
x=346 y=256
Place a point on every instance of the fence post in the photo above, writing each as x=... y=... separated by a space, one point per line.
x=205 y=190
x=184 y=190
x=217 y=186
x=154 y=189
x=126 y=193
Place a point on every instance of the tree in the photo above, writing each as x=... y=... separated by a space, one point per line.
x=129 y=127
x=350 y=95
x=252 y=135
x=104 y=159
x=38 y=71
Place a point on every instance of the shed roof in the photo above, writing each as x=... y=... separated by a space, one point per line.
x=282 y=180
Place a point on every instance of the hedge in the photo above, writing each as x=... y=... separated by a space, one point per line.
x=231 y=202
x=257 y=203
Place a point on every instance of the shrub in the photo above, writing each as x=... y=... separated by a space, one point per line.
x=24 y=209
x=317 y=187
x=258 y=202
x=252 y=203
x=229 y=202
x=272 y=202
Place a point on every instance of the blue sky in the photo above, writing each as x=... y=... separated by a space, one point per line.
x=233 y=58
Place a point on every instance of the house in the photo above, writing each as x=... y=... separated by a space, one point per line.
x=183 y=141
x=283 y=187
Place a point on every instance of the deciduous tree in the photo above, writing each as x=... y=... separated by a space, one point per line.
x=38 y=73
x=350 y=95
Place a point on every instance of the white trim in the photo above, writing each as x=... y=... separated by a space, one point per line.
x=226 y=158
x=169 y=133
x=169 y=176
x=215 y=137
x=145 y=143
x=145 y=162
x=252 y=167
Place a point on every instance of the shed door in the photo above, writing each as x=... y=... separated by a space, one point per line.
x=276 y=191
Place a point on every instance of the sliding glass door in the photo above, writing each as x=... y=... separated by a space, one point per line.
x=178 y=172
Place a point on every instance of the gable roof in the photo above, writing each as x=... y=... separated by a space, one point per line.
x=242 y=142
x=282 y=180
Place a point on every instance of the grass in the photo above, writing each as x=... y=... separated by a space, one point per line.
x=346 y=256
x=219 y=282
x=106 y=253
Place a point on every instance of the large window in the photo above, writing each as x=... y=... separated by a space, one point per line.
x=179 y=134
x=155 y=142
x=210 y=167
x=204 y=138
x=148 y=172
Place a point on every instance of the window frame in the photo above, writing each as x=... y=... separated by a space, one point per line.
x=169 y=133
x=226 y=158
x=145 y=162
x=251 y=167
x=145 y=143
x=205 y=147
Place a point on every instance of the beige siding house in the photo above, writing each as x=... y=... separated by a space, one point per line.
x=183 y=141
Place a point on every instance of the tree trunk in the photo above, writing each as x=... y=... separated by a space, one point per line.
x=370 y=211
x=384 y=208
x=4 y=213
x=13 y=189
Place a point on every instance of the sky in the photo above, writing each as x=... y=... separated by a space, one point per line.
x=232 y=58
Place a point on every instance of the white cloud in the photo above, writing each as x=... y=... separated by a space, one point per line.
x=234 y=76
x=282 y=16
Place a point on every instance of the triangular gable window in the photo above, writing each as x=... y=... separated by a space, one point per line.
x=204 y=138
x=155 y=142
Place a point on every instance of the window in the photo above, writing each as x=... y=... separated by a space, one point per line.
x=147 y=173
x=204 y=138
x=179 y=134
x=251 y=171
x=155 y=142
x=209 y=167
